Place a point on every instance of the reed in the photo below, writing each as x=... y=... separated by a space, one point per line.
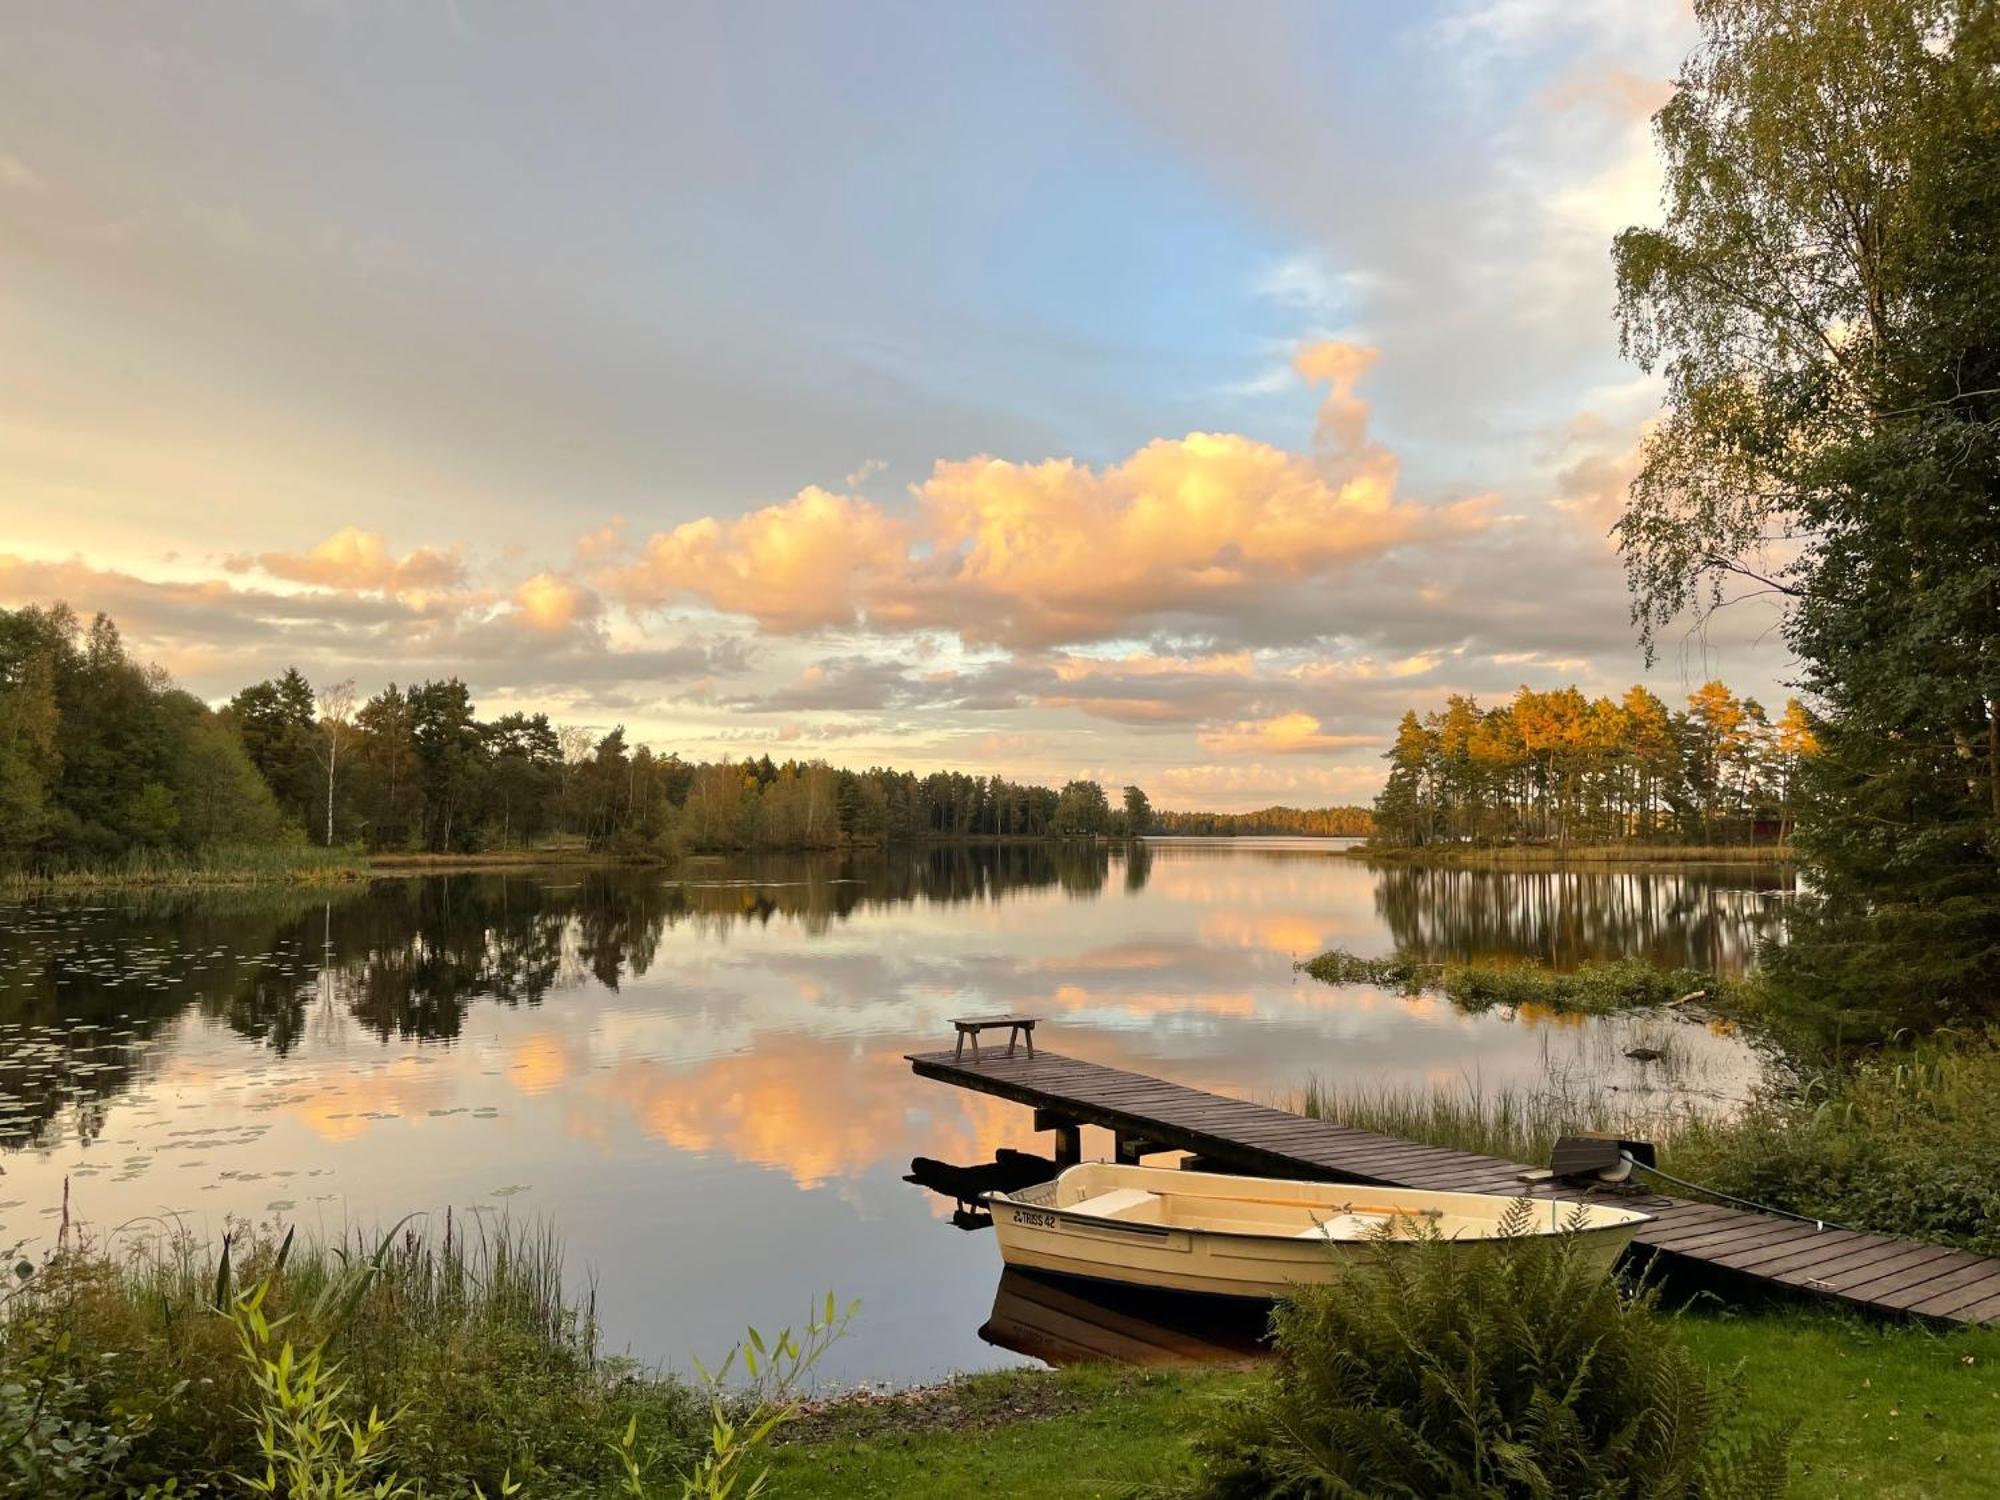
x=471 y=1333
x=167 y=869
x=1514 y=1124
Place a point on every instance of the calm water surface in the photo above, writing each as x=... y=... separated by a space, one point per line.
x=700 y=1081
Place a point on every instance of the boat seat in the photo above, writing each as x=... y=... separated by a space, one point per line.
x=1344 y=1227
x=1118 y=1201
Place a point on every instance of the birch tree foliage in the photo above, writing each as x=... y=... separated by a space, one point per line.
x=1784 y=289
x=1822 y=299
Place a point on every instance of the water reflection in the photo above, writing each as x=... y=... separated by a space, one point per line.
x=700 y=1079
x=1674 y=918
x=1063 y=1321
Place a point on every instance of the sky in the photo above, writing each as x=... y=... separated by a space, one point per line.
x=1169 y=393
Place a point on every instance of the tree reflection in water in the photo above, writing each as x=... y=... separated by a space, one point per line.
x=1674 y=918
x=84 y=984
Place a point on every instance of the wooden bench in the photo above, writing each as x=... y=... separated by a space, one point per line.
x=971 y=1026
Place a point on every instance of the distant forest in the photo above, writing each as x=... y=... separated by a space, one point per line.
x=1311 y=822
x=102 y=757
x=1556 y=767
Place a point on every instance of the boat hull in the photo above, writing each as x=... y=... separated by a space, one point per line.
x=1171 y=1245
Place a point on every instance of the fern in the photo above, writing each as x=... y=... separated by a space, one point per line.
x=1519 y=1369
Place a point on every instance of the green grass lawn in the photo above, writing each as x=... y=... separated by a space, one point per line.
x=1067 y=1435
x=1891 y=1413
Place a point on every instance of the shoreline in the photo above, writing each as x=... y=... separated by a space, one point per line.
x=317 y=869
x=1538 y=856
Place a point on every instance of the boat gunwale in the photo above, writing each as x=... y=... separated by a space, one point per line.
x=1135 y=1226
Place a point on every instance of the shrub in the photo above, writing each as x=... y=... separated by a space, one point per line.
x=1904 y=1143
x=1522 y=1370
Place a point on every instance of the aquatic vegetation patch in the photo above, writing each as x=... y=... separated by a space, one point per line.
x=1597 y=987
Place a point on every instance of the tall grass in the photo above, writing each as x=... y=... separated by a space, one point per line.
x=250 y=865
x=473 y=1338
x=1905 y=1143
x=1513 y=1123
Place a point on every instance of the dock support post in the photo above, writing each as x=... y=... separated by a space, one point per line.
x=1129 y=1149
x=1069 y=1136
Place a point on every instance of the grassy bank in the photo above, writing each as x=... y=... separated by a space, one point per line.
x=299 y=864
x=1892 y=1411
x=305 y=864
x=1537 y=856
x=125 y=1368
x=564 y=856
x=1095 y=1430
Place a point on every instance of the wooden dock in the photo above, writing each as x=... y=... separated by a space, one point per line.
x=1151 y=1115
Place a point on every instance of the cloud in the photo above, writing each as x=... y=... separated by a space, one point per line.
x=360 y=561
x=814 y=561
x=1598 y=466
x=1149 y=688
x=1237 y=785
x=17 y=174
x=603 y=543
x=1040 y=554
x=546 y=635
x=1624 y=95
x=548 y=603
x=1293 y=733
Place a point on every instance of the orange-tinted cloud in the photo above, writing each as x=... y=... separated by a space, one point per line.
x=360 y=561
x=549 y=602
x=1036 y=554
x=1602 y=463
x=1228 y=785
x=816 y=560
x=1619 y=92
x=1286 y=734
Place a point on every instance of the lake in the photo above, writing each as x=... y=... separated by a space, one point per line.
x=698 y=1078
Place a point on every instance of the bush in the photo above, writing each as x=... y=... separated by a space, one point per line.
x=1518 y=1371
x=1904 y=1143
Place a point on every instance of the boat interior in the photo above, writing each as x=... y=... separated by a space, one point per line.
x=1277 y=1208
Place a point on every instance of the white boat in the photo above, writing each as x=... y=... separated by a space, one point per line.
x=1253 y=1236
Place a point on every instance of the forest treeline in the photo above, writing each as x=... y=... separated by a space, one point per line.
x=1557 y=767
x=1310 y=822
x=101 y=756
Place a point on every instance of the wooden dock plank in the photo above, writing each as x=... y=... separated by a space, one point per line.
x=1873 y=1270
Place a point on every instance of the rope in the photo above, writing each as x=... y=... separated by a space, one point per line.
x=1762 y=1208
